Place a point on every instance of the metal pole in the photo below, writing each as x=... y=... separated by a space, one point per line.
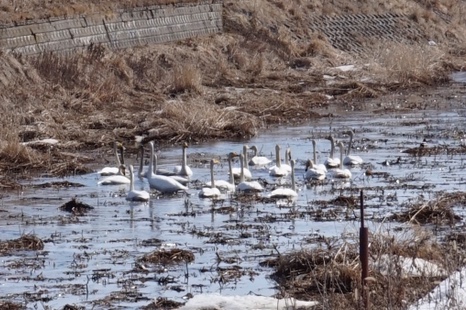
x=364 y=255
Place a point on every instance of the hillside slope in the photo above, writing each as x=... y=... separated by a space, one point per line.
x=268 y=67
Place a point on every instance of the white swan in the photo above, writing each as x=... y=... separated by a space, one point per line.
x=341 y=173
x=314 y=151
x=287 y=164
x=286 y=193
x=106 y=171
x=332 y=162
x=352 y=160
x=246 y=172
x=135 y=195
x=175 y=177
x=162 y=183
x=278 y=170
x=258 y=160
x=313 y=173
x=211 y=191
x=116 y=179
x=226 y=185
x=247 y=186
x=183 y=169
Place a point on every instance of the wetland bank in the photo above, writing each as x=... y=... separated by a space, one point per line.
x=258 y=83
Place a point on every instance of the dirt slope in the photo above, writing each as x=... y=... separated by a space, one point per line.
x=267 y=67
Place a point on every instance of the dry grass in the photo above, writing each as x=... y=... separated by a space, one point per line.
x=266 y=68
x=408 y=65
x=331 y=274
x=168 y=257
x=26 y=242
x=438 y=211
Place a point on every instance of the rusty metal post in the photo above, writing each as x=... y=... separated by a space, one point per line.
x=364 y=255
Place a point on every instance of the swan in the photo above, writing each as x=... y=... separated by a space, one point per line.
x=237 y=170
x=278 y=170
x=161 y=171
x=211 y=191
x=116 y=179
x=258 y=160
x=226 y=185
x=183 y=169
x=162 y=183
x=313 y=173
x=316 y=165
x=332 y=162
x=106 y=171
x=351 y=160
x=135 y=195
x=287 y=165
x=341 y=173
x=247 y=186
x=175 y=177
x=286 y=193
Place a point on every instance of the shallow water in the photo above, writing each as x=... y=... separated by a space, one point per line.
x=89 y=258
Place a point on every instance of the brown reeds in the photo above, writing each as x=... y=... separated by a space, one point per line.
x=168 y=257
x=266 y=68
x=25 y=242
x=330 y=273
x=438 y=211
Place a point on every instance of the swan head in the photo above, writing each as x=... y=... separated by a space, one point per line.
x=185 y=145
x=288 y=153
x=350 y=133
x=122 y=169
x=313 y=143
x=309 y=164
x=254 y=148
x=277 y=148
x=341 y=145
x=232 y=155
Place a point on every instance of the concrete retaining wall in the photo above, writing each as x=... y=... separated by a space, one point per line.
x=137 y=27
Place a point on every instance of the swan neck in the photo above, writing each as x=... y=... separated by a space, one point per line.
x=230 y=168
x=151 y=160
x=212 y=174
x=349 y=145
x=245 y=156
x=117 y=156
x=293 y=182
x=332 y=147
x=342 y=150
x=314 y=151
x=141 y=162
x=241 y=175
x=183 y=161
x=277 y=157
x=131 y=179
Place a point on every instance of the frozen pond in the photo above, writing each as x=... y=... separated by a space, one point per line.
x=92 y=259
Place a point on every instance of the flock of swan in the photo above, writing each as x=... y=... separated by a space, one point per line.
x=240 y=181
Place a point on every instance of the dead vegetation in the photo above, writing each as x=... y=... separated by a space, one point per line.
x=76 y=207
x=267 y=68
x=25 y=242
x=7 y=305
x=438 y=211
x=168 y=257
x=331 y=274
